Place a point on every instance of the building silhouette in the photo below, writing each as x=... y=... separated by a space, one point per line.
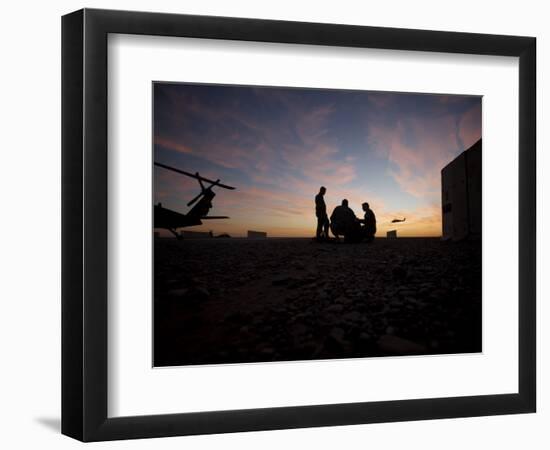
x=461 y=195
x=256 y=234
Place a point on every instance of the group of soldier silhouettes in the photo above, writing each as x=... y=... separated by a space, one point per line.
x=343 y=221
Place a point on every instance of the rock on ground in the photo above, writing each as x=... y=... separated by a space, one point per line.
x=236 y=300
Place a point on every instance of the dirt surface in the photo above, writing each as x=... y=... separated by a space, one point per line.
x=238 y=300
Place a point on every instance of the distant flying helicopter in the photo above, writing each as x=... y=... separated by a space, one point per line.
x=172 y=220
x=399 y=220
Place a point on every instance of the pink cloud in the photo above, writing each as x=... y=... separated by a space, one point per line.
x=381 y=99
x=289 y=156
x=172 y=145
x=416 y=166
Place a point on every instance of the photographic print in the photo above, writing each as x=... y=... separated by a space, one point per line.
x=297 y=224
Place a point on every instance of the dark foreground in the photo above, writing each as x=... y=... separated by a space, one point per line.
x=236 y=300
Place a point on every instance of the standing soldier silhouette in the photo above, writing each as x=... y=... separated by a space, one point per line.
x=321 y=213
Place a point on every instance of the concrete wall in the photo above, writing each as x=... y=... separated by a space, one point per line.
x=473 y=168
x=461 y=195
x=257 y=235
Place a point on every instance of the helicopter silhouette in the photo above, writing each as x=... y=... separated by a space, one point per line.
x=172 y=220
x=399 y=220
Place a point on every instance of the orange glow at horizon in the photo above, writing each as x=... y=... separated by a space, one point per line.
x=277 y=146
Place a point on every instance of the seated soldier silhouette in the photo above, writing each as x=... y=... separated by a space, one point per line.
x=344 y=223
x=368 y=230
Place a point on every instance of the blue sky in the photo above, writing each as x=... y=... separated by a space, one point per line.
x=279 y=145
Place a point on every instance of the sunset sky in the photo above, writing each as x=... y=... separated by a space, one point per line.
x=277 y=146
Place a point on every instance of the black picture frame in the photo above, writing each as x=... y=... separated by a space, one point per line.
x=84 y=224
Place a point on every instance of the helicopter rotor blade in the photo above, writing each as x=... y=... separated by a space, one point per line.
x=192 y=175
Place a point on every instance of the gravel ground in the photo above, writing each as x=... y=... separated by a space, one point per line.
x=238 y=300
